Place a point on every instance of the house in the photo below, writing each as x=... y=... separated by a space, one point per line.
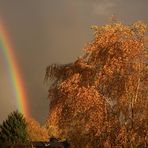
x=53 y=143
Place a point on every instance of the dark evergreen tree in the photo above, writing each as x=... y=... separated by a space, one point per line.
x=13 y=130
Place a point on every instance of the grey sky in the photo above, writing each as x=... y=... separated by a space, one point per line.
x=53 y=31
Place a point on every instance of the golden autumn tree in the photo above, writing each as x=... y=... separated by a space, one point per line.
x=104 y=91
x=35 y=131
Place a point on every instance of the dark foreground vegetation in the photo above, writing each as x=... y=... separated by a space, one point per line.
x=38 y=144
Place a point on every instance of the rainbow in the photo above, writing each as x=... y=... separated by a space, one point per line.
x=13 y=71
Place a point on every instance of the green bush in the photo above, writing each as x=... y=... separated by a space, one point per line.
x=13 y=130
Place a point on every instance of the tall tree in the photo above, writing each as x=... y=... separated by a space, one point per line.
x=13 y=130
x=104 y=89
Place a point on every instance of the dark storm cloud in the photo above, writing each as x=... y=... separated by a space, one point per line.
x=53 y=31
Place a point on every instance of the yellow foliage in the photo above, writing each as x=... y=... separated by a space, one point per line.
x=102 y=90
x=35 y=131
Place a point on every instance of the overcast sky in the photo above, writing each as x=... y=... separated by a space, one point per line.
x=43 y=32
